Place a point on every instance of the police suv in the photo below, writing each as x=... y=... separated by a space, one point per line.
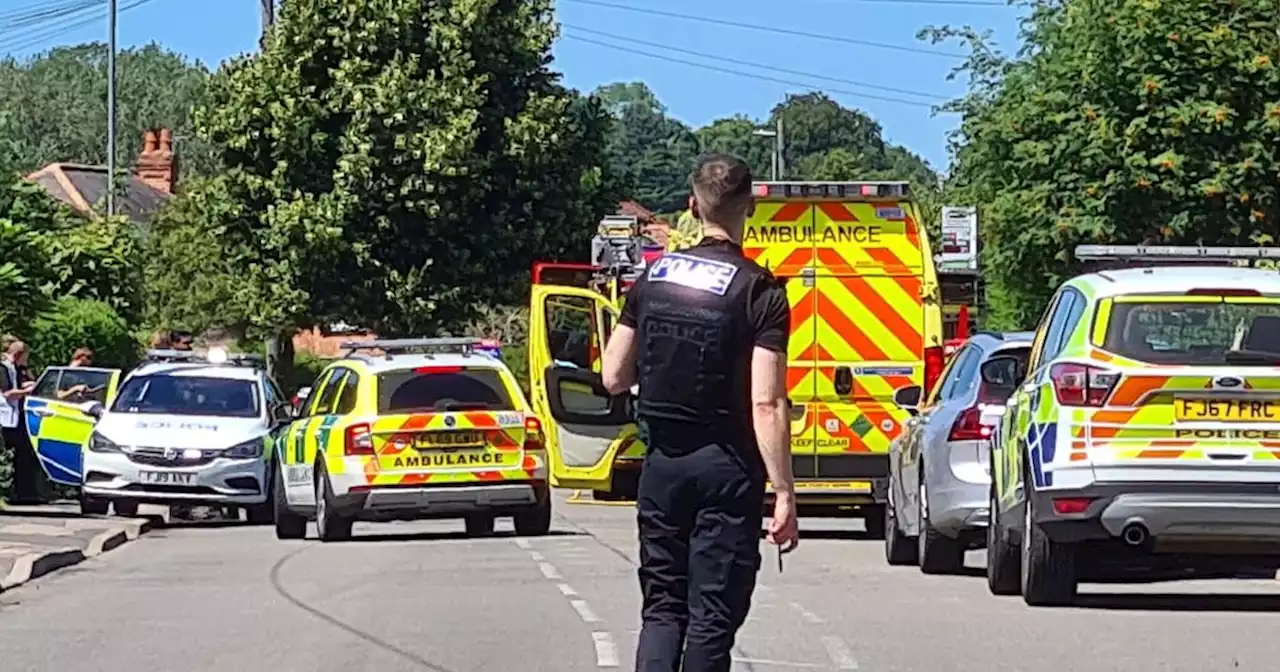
x=186 y=428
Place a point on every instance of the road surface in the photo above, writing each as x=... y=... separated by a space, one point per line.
x=422 y=597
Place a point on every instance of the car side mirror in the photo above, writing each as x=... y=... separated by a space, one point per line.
x=578 y=397
x=908 y=398
x=93 y=409
x=300 y=401
x=1003 y=371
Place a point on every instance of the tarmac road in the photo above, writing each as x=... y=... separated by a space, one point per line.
x=422 y=597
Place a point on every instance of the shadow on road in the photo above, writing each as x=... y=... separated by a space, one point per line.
x=1220 y=602
x=833 y=535
x=446 y=536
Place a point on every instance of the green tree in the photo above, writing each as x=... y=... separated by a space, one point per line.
x=75 y=323
x=57 y=103
x=734 y=135
x=651 y=152
x=28 y=216
x=393 y=164
x=1123 y=122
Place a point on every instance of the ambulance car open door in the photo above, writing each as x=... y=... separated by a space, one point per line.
x=580 y=419
x=58 y=427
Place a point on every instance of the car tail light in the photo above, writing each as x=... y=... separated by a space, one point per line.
x=968 y=426
x=1223 y=292
x=934 y=361
x=533 y=434
x=1082 y=384
x=438 y=369
x=359 y=440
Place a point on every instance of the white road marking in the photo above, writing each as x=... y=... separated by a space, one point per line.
x=776 y=663
x=549 y=570
x=584 y=611
x=806 y=614
x=537 y=557
x=567 y=590
x=841 y=657
x=522 y=543
x=606 y=650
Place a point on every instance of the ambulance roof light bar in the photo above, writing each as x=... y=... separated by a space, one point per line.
x=1174 y=253
x=398 y=346
x=832 y=190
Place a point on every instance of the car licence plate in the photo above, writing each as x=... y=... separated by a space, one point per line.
x=1226 y=410
x=167 y=477
x=447 y=440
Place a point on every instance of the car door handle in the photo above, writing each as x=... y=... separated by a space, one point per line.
x=42 y=412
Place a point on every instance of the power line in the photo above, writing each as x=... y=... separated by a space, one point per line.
x=750 y=75
x=937 y=3
x=64 y=28
x=768 y=29
x=763 y=66
x=43 y=7
x=30 y=18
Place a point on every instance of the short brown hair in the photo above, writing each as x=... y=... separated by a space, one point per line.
x=722 y=185
x=82 y=353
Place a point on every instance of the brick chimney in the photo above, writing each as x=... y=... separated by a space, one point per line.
x=156 y=164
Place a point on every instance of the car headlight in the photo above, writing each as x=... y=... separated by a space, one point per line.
x=251 y=448
x=101 y=444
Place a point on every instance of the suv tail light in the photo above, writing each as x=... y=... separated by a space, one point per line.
x=968 y=426
x=934 y=361
x=1082 y=384
x=359 y=440
x=533 y=434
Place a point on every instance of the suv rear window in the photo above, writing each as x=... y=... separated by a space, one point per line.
x=1193 y=332
x=434 y=388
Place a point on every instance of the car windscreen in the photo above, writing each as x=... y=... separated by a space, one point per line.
x=188 y=395
x=431 y=388
x=1207 y=331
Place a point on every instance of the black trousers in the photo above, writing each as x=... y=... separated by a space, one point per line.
x=699 y=522
x=26 y=466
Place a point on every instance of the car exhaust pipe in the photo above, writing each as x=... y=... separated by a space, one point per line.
x=1135 y=535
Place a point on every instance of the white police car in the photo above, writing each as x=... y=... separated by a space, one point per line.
x=186 y=429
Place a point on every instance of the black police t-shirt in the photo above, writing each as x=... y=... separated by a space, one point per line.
x=699 y=314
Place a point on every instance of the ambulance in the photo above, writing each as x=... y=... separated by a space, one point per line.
x=866 y=321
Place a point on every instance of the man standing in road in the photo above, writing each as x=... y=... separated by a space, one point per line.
x=705 y=331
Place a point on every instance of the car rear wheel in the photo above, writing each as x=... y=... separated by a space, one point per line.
x=535 y=522
x=899 y=549
x=873 y=520
x=1048 y=568
x=289 y=525
x=125 y=508
x=1002 y=558
x=330 y=525
x=92 y=506
x=939 y=554
x=479 y=524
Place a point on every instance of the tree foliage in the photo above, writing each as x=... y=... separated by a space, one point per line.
x=394 y=164
x=1123 y=122
x=75 y=323
x=58 y=105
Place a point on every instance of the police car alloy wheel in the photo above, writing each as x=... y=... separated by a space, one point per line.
x=1002 y=571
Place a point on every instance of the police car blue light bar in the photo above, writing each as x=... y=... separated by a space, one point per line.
x=832 y=190
x=211 y=356
x=1181 y=253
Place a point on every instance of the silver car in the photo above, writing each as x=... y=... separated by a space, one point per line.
x=939 y=468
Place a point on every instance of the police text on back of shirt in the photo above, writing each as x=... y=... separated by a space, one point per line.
x=701 y=274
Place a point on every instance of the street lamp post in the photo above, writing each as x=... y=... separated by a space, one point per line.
x=111 y=107
x=777 y=166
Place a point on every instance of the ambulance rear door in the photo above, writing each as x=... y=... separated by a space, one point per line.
x=779 y=236
x=867 y=277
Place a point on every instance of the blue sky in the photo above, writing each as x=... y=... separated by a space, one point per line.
x=216 y=30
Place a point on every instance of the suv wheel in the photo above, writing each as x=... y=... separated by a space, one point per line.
x=939 y=554
x=1002 y=558
x=125 y=508
x=899 y=549
x=1048 y=568
x=330 y=525
x=289 y=525
x=92 y=506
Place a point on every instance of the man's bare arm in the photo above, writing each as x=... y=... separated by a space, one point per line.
x=770 y=416
x=619 y=367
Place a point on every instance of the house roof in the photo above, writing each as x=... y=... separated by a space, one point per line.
x=81 y=187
